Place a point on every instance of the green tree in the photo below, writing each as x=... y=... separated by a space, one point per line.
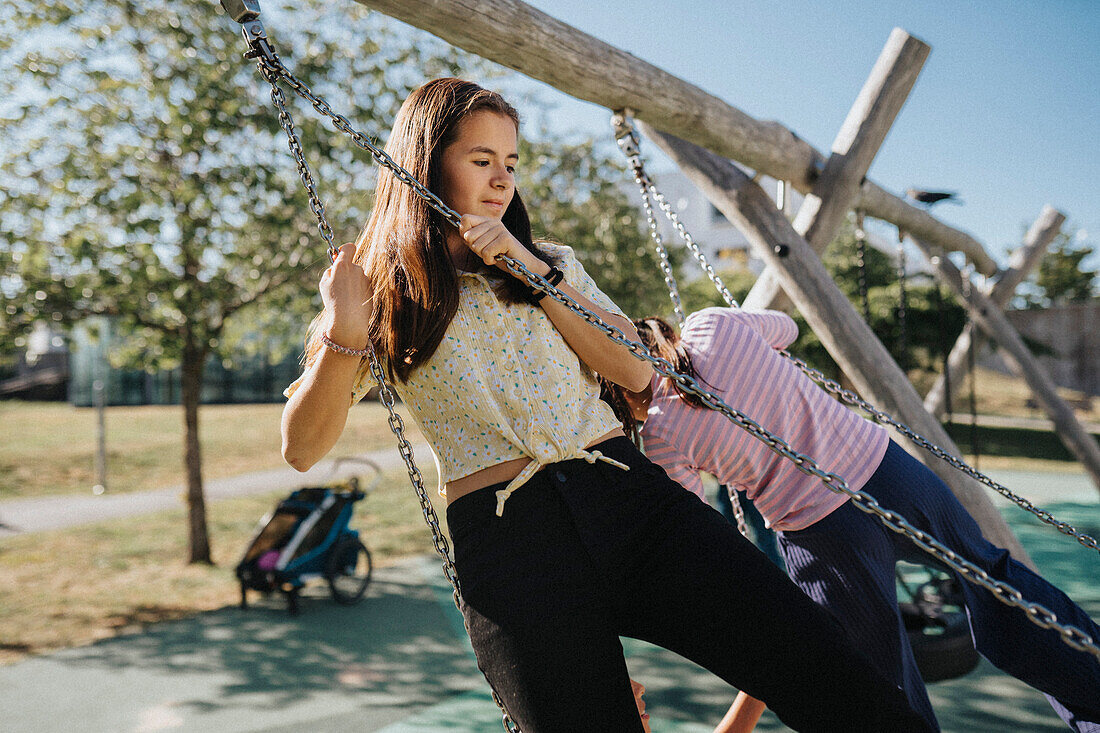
x=1063 y=277
x=575 y=195
x=146 y=177
x=933 y=317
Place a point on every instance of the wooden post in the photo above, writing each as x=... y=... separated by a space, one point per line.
x=988 y=316
x=842 y=331
x=1024 y=260
x=855 y=146
x=520 y=37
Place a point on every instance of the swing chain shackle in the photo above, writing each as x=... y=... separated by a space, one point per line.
x=247 y=13
x=629 y=143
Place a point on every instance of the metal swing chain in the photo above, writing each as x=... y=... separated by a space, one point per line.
x=1036 y=613
x=879 y=416
x=628 y=142
x=272 y=69
x=662 y=253
x=903 y=305
x=630 y=149
x=861 y=263
x=884 y=418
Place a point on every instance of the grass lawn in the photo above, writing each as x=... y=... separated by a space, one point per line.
x=1001 y=394
x=49 y=447
x=71 y=587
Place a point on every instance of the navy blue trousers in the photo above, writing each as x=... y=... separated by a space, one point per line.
x=585 y=553
x=846 y=560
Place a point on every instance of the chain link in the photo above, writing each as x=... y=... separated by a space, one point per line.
x=628 y=142
x=295 y=145
x=850 y=398
x=662 y=254
x=272 y=70
x=1071 y=635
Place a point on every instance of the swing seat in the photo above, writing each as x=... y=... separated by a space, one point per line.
x=938 y=630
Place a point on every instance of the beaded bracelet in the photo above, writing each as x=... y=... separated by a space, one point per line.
x=343 y=349
x=553 y=277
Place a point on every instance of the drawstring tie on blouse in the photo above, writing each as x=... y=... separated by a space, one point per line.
x=532 y=468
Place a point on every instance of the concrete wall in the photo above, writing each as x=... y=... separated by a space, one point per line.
x=1073 y=333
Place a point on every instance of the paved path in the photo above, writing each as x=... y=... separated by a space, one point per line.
x=37 y=514
x=22 y=516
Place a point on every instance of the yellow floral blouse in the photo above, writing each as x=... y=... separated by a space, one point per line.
x=504 y=384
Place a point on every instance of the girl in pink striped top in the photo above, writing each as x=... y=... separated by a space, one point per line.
x=842 y=558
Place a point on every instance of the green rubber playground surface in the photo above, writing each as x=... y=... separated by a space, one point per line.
x=399 y=662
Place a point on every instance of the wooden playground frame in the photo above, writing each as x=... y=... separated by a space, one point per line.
x=702 y=134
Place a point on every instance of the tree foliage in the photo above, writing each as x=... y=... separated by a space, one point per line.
x=576 y=194
x=146 y=176
x=1063 y=275
x=933 y=317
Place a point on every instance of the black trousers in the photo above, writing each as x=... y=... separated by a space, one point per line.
x=586 y=553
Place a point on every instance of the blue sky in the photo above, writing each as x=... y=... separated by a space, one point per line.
x=1006 y=110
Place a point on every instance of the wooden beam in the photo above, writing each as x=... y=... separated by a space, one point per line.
x=1023 y=261
x=870 y=118
x=520 y=37
x=989 y=318
x=848 y=339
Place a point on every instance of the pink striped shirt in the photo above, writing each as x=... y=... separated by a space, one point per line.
x=734 y=355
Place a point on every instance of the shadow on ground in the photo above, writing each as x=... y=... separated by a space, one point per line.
x=233 y=669
x=399 y=663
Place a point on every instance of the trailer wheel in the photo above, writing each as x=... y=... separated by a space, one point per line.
x=348 y=571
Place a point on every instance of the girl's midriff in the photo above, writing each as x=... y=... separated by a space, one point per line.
x=503 y=472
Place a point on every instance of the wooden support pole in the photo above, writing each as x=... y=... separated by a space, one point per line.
x=1024 y=260
x=520 y=37
x=848 y=339
x=989 y=318
x=870 y=118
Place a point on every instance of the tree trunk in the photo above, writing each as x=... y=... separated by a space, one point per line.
x=191 y=370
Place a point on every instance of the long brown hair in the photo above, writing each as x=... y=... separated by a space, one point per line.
x=662 y=341
x=403 y=246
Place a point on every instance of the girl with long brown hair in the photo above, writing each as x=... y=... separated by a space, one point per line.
x=565 y=537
